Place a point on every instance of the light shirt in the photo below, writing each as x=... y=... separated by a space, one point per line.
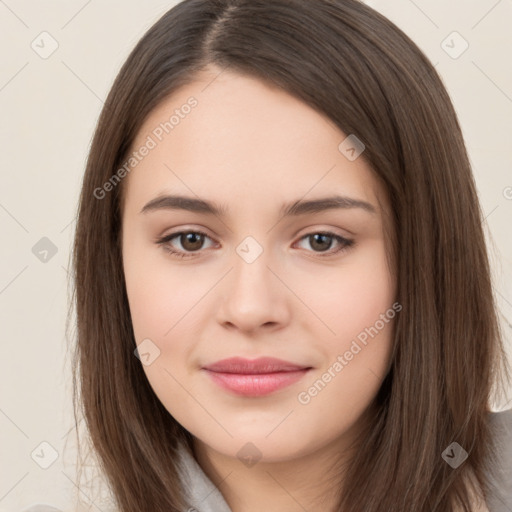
x=203 y=495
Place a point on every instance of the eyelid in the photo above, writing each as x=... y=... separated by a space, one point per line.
x=313 y=228
x=166 y=239
x=308 y=230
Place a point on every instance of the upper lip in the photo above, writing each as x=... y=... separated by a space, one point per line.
x=253 y=366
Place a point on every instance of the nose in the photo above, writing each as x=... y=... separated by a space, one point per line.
x=254 y=295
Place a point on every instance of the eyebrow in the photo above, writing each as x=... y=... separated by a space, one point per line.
x=196 y=205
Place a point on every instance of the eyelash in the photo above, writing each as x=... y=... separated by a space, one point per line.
x=164 y=242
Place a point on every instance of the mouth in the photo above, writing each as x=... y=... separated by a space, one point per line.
x=258 y=377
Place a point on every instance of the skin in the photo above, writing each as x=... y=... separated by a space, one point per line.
x=252 y=147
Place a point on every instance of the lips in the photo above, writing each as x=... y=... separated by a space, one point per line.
x=243 y=366
x=253 y=378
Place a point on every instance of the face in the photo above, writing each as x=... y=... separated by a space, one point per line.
x=310 y=286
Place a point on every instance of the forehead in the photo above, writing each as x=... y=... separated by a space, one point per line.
x=233 y=137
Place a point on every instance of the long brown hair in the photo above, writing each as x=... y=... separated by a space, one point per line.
x=352 y=64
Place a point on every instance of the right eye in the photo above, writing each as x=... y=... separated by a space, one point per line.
x=192 y=239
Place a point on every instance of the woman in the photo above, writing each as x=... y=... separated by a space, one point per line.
x=226 y=359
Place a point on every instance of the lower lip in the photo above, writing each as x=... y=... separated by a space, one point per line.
x=256 y=384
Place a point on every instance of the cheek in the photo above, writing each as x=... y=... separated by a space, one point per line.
x=358 y=310
x=161 y=297
x=163 y=306
x=355 y=363
x=352 y=296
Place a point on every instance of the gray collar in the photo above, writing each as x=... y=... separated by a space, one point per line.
x=202 y=495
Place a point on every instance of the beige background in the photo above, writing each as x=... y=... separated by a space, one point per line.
x=49 y=110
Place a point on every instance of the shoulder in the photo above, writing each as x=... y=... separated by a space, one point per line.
x=504 y=417
x=501 y=426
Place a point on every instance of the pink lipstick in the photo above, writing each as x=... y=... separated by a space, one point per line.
x=256 y=377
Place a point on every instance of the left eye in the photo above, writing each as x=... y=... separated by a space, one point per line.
x=192 y=241
x=319 y=239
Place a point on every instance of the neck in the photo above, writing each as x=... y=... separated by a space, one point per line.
x=312 y=481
